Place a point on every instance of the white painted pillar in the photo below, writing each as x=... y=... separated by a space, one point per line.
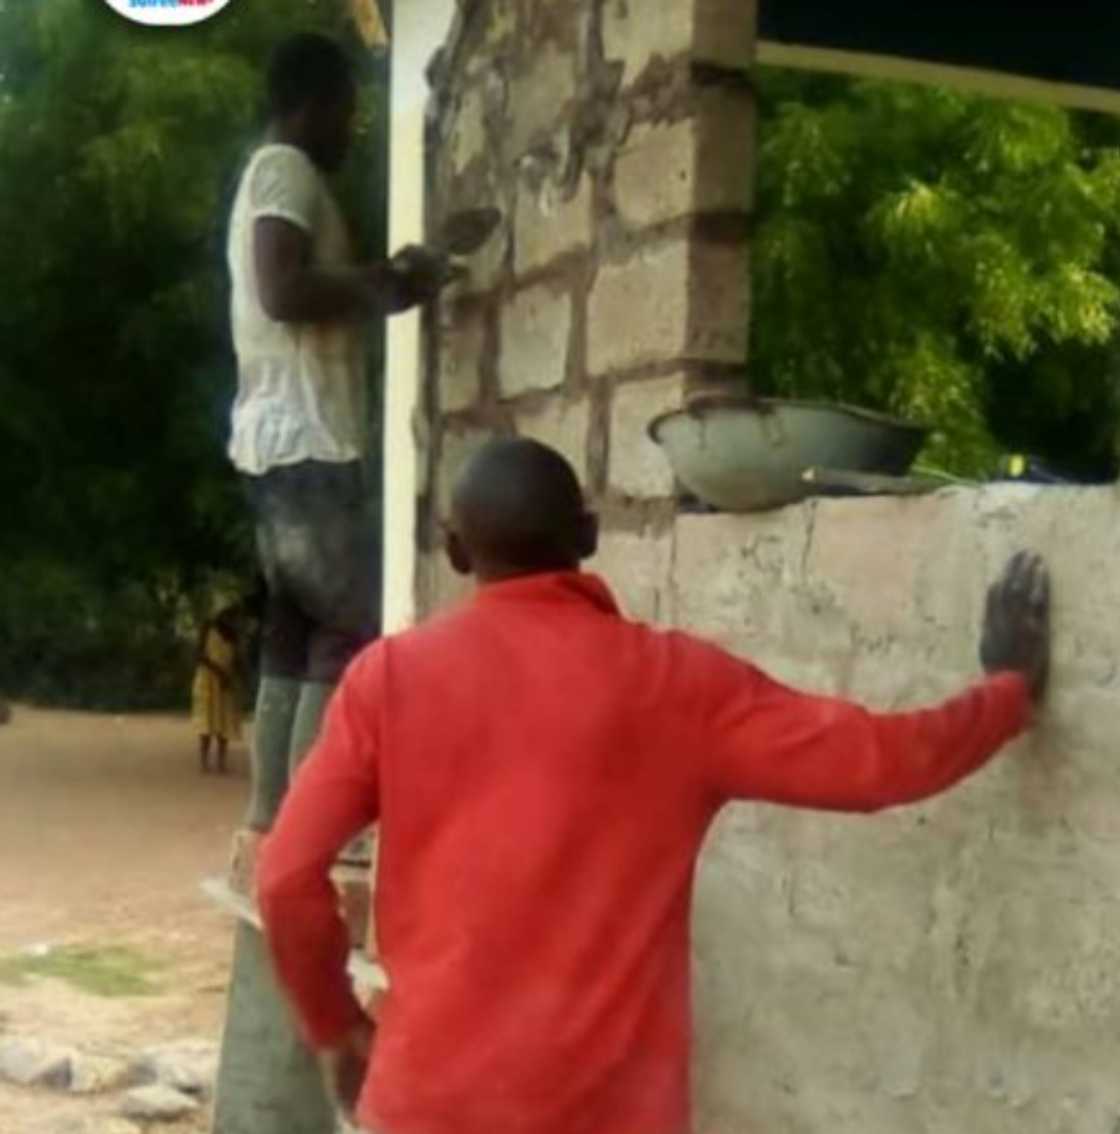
x=419 y=28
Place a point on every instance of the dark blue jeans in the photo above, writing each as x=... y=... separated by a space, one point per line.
x=317 y=553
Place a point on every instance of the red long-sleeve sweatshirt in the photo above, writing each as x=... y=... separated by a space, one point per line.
x=544 y=773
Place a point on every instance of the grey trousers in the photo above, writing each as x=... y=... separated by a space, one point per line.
x=317 y=553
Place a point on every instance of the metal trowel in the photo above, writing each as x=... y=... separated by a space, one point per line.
x=465 y=232
x=462 y=234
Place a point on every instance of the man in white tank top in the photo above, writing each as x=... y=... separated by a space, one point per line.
x=298 y=309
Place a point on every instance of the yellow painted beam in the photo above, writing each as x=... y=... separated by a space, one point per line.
x=371 y=24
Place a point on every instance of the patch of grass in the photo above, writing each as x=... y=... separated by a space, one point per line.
x=113 y=971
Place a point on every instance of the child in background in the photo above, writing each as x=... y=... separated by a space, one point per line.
x=215 y=709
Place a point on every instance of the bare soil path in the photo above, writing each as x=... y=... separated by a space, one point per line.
x=106 y=827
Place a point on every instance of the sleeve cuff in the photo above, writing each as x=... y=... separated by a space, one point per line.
x=1013 y=690
x=272 y=212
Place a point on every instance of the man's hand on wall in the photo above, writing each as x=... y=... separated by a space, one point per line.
x=1016 y=634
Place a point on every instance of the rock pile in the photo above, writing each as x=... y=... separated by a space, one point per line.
x=161 y=1084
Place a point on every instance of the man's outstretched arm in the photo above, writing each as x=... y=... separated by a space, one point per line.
x=774 y=744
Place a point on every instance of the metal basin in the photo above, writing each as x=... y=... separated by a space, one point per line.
x=747 y=455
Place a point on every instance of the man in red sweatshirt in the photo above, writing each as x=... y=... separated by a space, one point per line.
x=544 y=773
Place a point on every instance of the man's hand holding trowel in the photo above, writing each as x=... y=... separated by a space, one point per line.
x=422 y=271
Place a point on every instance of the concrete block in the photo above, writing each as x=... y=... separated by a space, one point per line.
x=719 y=290
x=701 y=164
x=447 y=588
x=638 y=310
x=538 y=94
x=462 y=341
x=550 y=226
x=457 y=448
x=536 y=328
x=466 y=142
x=638 y=566
x=636 y=465
x=562 y=424
x=711 y=31
x=683 y=300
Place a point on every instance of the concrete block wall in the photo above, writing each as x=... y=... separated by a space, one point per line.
x=948 y=969
x=616 y=137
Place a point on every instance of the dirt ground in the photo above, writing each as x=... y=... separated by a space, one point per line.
x=106 y=828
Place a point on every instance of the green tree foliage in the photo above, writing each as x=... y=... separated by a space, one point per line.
x=122 y=147
x=945 y=257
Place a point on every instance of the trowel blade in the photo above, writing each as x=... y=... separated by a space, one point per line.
x=465 y=232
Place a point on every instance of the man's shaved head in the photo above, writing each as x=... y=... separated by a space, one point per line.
x=517 y=510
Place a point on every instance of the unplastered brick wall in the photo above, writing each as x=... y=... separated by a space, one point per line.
x=616 y=137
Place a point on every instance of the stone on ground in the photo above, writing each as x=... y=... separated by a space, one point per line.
x=157 y=1103
x=190 y=1066
x=95 y=1074
x=33 y=1063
